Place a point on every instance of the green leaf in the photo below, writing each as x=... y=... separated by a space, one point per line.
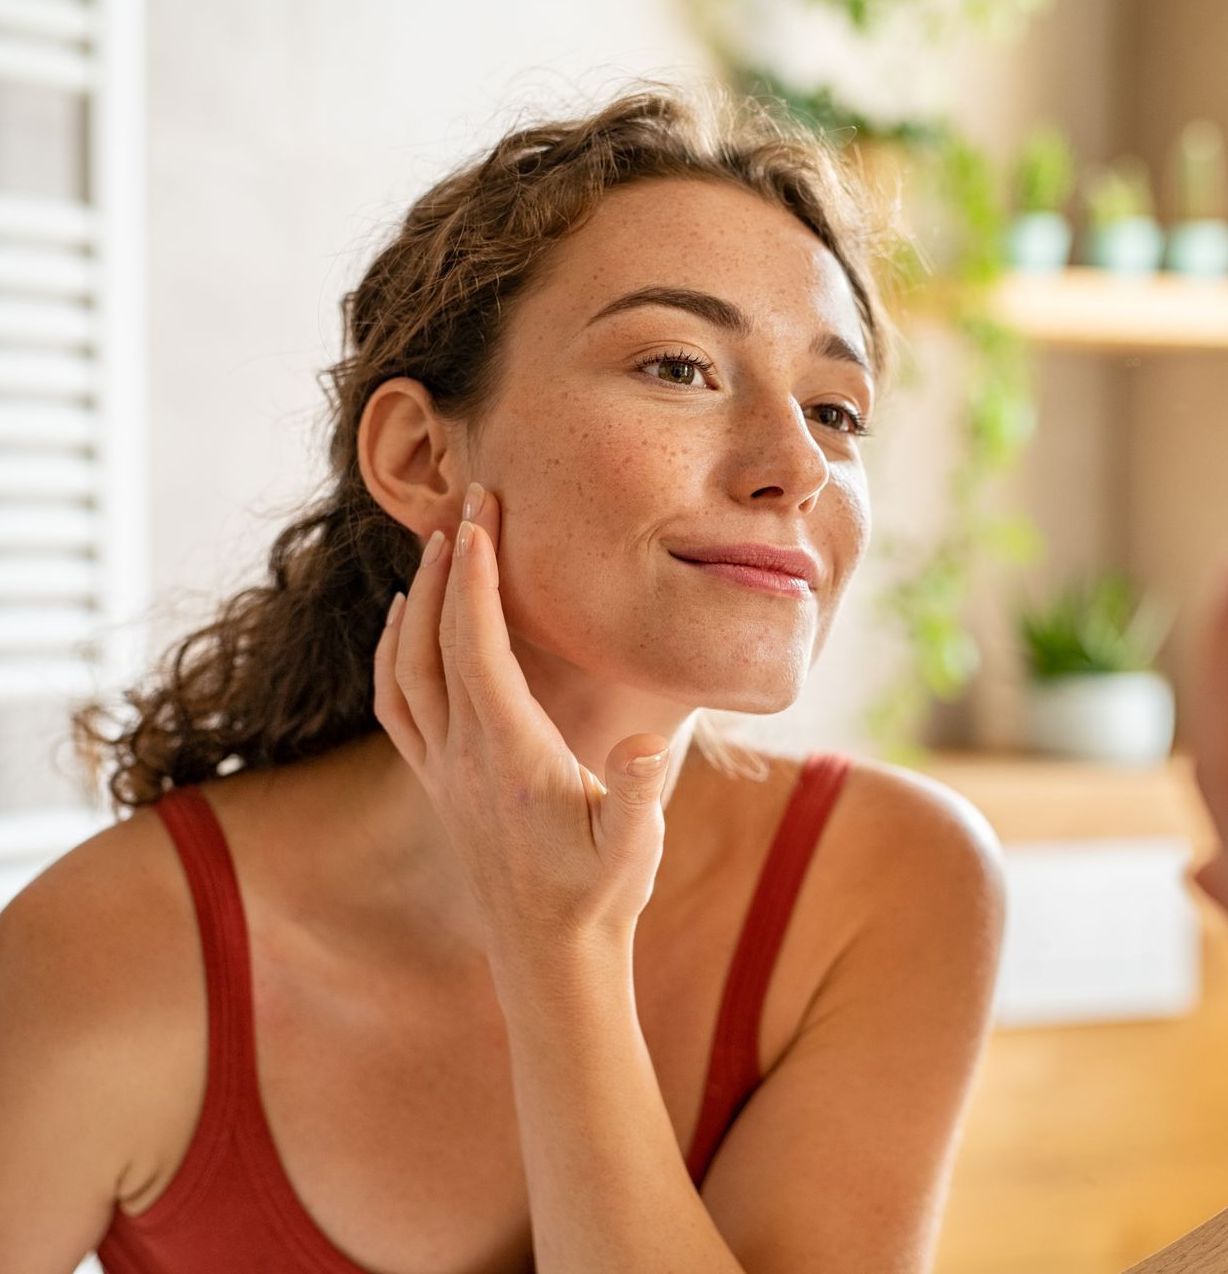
x=1098 y=625
x=1014 y=539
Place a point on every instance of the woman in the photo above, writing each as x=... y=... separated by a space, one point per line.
x=509 y=1007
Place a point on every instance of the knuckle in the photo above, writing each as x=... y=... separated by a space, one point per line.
x=407 y=671
x=467 y=661
x=472 y=670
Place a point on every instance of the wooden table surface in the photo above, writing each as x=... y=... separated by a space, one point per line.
x=1087 y=1148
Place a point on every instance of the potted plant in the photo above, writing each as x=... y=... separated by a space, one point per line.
x=1198 y=240
x=1092 y=691
x=1123 y=234
x=1039 y=234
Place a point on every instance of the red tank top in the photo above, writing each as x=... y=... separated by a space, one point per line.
x=230 y=1206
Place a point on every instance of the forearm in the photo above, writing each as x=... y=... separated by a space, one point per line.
x=609 y=1191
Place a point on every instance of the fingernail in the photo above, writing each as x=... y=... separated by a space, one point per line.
x=463 y=538
x=394 y=611
x=642 y=766
x=433 y=547
x=475 y=497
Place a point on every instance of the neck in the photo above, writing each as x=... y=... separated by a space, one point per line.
x=367 y=852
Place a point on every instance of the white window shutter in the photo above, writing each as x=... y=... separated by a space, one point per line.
x=74 y=585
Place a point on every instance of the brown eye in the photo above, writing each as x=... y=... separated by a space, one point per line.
x=855 y=423
x=683 y=365
x=687 y=364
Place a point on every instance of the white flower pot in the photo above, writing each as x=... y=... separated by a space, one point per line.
x=1038 y=242
x=1199 y=249
x=1129 y=246
x=1105 y=716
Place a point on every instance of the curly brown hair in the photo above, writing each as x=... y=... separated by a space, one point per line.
x=240 y=692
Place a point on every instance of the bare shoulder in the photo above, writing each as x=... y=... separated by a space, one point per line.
x=925 y=873
x=114 y=898
x=106 y=934
x=842 y=1159
x=889 y=812
x=896 y=838
x=913 y=816
x=903 y=826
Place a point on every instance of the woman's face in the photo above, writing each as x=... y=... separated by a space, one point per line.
x=605 y=451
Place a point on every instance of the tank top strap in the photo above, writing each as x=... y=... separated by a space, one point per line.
x=733 y=1067
x=230 y=1205
x=202 y=849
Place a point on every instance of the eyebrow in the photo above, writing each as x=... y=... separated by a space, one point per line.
x=726 y=315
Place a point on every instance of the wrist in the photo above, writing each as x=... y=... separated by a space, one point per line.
x=549 y=971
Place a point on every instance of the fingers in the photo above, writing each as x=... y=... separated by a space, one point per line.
x=477 y=650
x=391 y=710
x=444 y=670
x=483 y=509
x=491 y=692
x=462 y=719
x=413 y=675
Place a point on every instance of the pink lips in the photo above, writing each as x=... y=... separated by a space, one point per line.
x=787 y=558
x=754 y=577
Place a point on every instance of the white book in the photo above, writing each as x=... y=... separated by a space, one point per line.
x=1097 y=930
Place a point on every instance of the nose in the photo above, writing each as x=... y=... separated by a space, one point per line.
x=784 y=442
x=813 y=466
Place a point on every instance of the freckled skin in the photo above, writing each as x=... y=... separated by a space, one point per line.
x=599 y=467
x=619 y=467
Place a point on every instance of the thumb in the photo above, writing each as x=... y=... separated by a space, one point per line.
x=630 y=823
x=635 y=771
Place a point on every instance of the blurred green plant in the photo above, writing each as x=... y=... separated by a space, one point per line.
x=1115 y=191
x=939 y=17
x=1044 y=173
x=1099 y=625
x=1201 y=181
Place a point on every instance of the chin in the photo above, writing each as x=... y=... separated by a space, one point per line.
x=756 y=701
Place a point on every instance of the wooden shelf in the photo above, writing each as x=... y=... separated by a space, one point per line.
x=1086 y=308
x=1028 y=796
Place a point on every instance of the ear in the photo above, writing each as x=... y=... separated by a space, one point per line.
x=407 y=458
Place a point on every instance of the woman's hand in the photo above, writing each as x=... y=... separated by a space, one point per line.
x=550 y=853
x=1210 y=738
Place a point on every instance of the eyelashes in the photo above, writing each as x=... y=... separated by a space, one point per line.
x=856 y=422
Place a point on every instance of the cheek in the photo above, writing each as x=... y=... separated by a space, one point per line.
x=584 y=492
x=642 y=474
x=603 y=471
x=861 y=526
x=847 y=525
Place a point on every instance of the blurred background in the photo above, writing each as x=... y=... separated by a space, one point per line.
x=187 y=190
